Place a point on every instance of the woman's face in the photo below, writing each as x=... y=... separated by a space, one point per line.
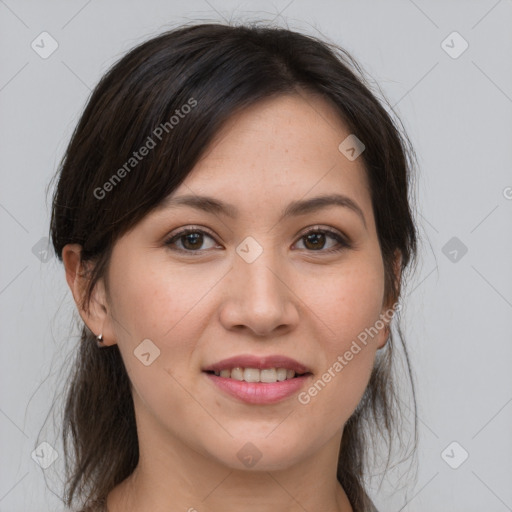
x=249 y=282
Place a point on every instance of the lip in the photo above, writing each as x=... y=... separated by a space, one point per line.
x=259 y=392
x=250 y=361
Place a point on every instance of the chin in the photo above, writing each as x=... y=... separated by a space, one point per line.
x=257 y=452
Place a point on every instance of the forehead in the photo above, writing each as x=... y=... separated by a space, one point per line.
x=283 y=141
x=275 y=153
x=300 y=124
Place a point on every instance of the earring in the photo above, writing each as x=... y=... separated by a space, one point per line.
x=99 y=341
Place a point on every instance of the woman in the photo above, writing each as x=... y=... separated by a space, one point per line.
x=232 y=213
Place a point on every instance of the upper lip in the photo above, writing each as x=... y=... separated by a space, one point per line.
x=250 y=361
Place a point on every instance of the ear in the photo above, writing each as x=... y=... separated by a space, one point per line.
x=389 y=308
x=96 y=314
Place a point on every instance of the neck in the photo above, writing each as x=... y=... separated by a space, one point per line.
x=230 y=491
x=172 y=476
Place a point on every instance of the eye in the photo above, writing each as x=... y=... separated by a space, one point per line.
x=191 y=239
x=315 y=239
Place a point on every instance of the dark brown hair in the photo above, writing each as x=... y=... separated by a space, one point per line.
x=217 y=70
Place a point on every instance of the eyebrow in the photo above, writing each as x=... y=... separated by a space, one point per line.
x=295 y=208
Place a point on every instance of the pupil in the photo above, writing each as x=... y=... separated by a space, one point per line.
x=195 y=237
x=315 y=237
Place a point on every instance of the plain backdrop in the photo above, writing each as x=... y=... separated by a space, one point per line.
x=453 y=93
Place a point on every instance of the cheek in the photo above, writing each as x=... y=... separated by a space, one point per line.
x=347 y=302
x=152 y=297
x=157 y=302
x=347 y=306
x=152 y=302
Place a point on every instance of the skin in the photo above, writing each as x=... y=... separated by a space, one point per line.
x=309 y=304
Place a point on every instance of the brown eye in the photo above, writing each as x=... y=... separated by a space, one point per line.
x=191 y=240
x=315 y=240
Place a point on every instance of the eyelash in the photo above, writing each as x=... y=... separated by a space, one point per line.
x=343 y=244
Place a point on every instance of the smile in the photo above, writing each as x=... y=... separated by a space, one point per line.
x=257 y=375
x=259 y=392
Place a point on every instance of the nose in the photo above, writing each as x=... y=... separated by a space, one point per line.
x=260 y=297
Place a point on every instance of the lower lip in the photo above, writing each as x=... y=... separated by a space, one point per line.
x=259 y=392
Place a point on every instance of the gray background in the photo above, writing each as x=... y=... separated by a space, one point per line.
x=457 y=112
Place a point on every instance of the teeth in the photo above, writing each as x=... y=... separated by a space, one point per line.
x=256 y=375
x=235 y=373
x=281 y=374
x=251 y=375
x=268 y=375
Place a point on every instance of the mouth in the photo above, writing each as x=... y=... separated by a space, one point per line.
x=250 y=368
x=258 y=380
x=265 y=375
